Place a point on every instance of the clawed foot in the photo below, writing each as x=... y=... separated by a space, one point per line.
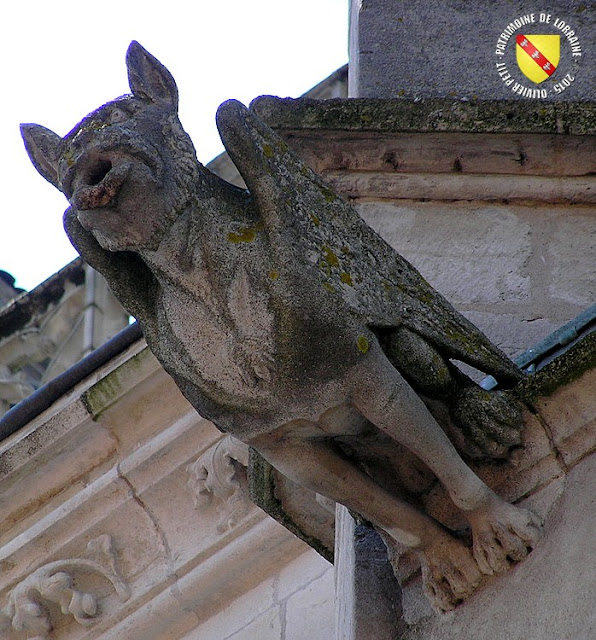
x=449 y=573
x=503 y=534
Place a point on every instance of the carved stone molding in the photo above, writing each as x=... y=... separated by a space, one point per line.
x=218 y=478
x=55 y=583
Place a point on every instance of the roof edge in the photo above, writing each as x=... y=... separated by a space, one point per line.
x=42 y=399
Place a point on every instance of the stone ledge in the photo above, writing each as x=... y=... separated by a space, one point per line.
x=426 y=115
x=564 y=369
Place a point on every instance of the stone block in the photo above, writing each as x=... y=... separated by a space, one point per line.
x=571 y=274
x=64 y=467
x=267 y=626
x=456 y=186
x=249 y=611
x=472 y=254
x=297 y=575
x=367 y=594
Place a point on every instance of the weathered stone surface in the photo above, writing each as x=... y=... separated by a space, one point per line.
x=307 y=612
x=467 y=151
x=123 y=473
x=298 y=509
x=572 y=279
x=46 y=331
x=483 y=242
x=366 y=148
x=297 y=600
x=569 y=412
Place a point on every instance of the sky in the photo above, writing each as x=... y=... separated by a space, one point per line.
x=63 y=59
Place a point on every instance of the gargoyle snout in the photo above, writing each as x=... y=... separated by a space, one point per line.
x=96 y=180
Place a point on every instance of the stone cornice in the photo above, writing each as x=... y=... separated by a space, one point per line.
x=427 y=115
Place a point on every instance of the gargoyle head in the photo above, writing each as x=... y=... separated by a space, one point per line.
x=128 y=168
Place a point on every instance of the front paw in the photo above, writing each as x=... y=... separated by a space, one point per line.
x=503 y=534
x=449 y=573
x=490 y=420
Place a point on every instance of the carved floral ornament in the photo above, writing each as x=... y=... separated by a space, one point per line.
x=218 y=478
x=55 y=583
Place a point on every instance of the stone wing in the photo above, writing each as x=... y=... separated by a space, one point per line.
x=323 y=247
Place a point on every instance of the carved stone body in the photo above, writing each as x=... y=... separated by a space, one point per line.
x=286 y=320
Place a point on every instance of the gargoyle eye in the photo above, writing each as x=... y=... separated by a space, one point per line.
x=118 y=115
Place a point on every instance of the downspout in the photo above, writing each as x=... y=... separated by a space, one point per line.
x=89 y=311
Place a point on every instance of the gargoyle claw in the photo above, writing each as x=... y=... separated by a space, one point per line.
x=449 y=573
x=503 y=535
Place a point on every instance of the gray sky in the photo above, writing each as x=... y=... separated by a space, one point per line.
x=63 y=59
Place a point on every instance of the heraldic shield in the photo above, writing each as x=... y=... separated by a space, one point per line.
x=538 y=55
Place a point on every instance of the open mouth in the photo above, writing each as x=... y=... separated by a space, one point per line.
x=100 y=182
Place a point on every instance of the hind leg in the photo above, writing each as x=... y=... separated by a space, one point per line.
x=450 y=573
x=502 y=533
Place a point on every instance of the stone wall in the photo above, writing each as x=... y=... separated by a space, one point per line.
x=46 y=331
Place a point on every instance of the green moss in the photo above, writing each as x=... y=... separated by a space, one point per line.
x=362 y=344
x=563 y=370
x=245 y=234
x=329 y=287
x=328 y=193
x=346 y=278
x=315 y=220
x=69 y=157
x=104 y=393
x=268 y=151
x=433 y=114
x=262 y=486
x=325 y=268
x=329 y=257
x=273 y=275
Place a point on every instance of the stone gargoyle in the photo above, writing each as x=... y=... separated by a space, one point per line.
x=286 y=320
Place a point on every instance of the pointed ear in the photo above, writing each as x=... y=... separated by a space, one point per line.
x=149 y=79
x=44 y=148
